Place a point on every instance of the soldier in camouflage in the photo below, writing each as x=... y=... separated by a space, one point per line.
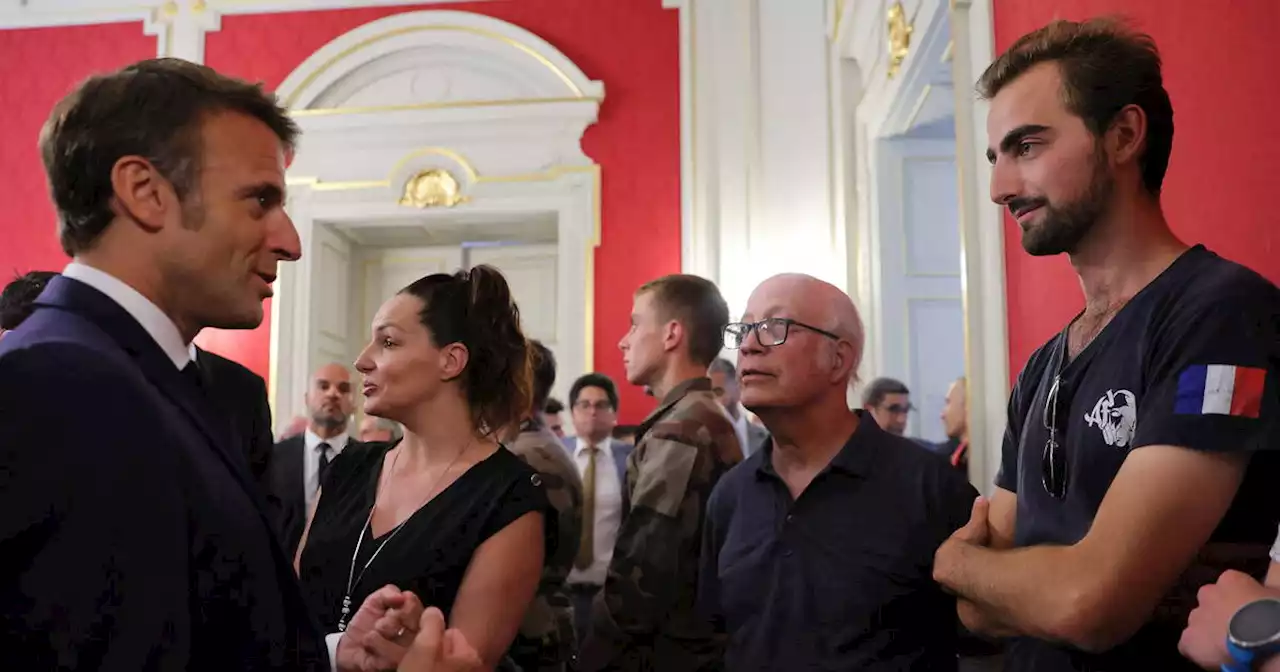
x=546 y=641
x=645 y=618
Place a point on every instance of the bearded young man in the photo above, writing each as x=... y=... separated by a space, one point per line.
x=1131 y=432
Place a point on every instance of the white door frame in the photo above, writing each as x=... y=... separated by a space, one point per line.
x=496 y=108
x=885 y=106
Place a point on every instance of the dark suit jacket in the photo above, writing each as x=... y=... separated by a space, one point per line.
x=131 y=537
x=242 y=397
x=287 y=498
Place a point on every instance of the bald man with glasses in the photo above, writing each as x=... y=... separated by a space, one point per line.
x=817 y=549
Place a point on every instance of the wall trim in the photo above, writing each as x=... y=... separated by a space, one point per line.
x=362 y=145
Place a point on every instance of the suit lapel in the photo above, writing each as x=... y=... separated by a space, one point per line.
x=295 y=476
x=158 y=368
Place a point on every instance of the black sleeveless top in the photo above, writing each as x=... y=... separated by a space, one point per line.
x=430 y=554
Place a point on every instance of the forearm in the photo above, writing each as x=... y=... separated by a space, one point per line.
x=979 y=622
x=1025 y=591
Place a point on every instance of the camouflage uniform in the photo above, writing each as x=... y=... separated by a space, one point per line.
x=546 y=641
x=645 y=618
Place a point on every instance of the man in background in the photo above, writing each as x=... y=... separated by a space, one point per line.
x=552 y=416
x=602 y=465
x=888 y=401
x=373 y=430
x=645 y=618
x=955 y=422
x=546 y=641
x=18 y=299
x=299 y=463
x=725 y=385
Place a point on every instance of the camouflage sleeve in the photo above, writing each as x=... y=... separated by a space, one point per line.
x=644 y=577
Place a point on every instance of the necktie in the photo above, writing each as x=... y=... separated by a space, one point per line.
x=323 y=449
x=586 y=546
x=192 y=373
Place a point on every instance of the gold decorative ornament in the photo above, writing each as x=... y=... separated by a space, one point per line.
x=431 y=188
x=899 y=38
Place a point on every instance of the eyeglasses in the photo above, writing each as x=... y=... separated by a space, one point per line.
x=899 y=409
x=1053 y=461
x=602 y=405
x=769 y=333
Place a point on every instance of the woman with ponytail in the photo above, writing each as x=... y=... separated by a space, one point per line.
x=447 y=512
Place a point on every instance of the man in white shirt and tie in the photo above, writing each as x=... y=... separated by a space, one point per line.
x=602 y=463
x=299 y=463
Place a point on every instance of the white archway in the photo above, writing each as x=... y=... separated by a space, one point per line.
x=430 y=124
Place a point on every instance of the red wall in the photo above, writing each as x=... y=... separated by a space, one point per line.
x=630 y=45
x=40 y=66
x=1219 y=68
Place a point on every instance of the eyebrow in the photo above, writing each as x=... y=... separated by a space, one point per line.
x=1012 y=138
x=271 y=191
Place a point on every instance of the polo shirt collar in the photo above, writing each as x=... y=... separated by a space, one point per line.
x=856 y=458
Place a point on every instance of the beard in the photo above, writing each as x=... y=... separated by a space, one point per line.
x=1063 y=226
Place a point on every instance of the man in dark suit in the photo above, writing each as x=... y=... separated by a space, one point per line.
x=143 y=547
x=299 y=463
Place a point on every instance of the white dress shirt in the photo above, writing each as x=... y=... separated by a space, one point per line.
x=740 y=427
x=608 y=510
x=153 y=320
x=311 y=461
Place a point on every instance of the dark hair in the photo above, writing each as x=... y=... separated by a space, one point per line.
x=881 y=388
x=544 y=374
x=475 y=308
x=696 y=304
x=595 y=380
x=1105 y=65
x=153 y=109
x=18 y=299
x=722 y=365
x=553 y=406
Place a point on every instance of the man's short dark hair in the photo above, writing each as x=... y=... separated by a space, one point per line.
x=881 y=388
x=595 y=380
x=553 y=406
x=154 y=109
x=544 y=373
x=696 y=304
x=18 y=299
x=724 y=366
x=1105 y=65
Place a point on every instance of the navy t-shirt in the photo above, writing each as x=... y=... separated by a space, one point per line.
x=1193 y=360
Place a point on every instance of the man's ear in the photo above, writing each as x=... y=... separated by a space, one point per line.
x=1126 y=138
x=672 y=335
x=141 y=194
x=844 y=361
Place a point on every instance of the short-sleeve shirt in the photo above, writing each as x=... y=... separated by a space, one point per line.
x=840 y=578
x=430 y=555
x=1192 y=361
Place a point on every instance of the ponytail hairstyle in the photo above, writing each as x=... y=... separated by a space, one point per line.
x=474 y=307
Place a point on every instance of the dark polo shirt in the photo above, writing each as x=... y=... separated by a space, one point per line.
x=841 y=578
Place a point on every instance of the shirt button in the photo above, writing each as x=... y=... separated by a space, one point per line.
x=789 y=517
x=788 y=553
